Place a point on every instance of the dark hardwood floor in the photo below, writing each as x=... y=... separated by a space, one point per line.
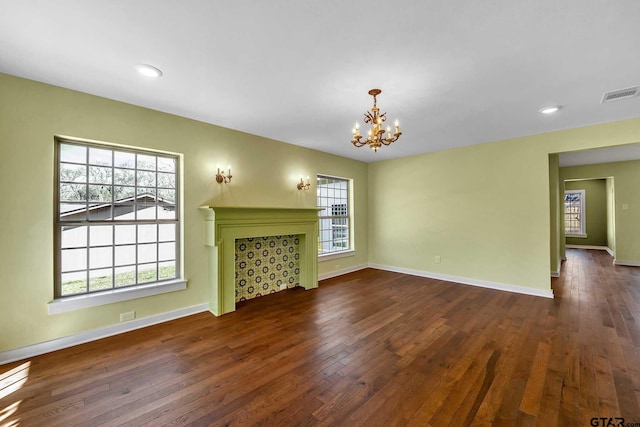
x=370 y=348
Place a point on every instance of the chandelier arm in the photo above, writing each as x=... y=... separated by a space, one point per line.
x=356 y=141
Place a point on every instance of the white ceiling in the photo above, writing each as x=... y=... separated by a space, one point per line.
x=454 y=73
x=618 y=153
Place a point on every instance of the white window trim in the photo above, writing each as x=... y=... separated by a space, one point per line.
x=77 y=302
x=350 y=251
x=335 y=255
x=583 y=216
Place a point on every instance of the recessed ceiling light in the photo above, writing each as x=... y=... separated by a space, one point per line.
x=149 y=70
x=550 y=109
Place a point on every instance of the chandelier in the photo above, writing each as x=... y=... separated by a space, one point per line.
x=376 y=135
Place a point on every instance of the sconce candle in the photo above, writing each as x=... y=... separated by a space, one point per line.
x=221 y=177
x=302 y=185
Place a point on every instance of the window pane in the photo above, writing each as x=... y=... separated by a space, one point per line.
x=167 y=196
x=73 y=173
x=167 y=232
x=125 y=234
x=147 y=194
x=125 y=255
x=123 y=193
x=100 y=211
x=100 y=257
x=147 y=273
x=73 y=192
x=74 y=283
x=101 y=235
x=147 y=252
x=100 y=193
x=100 y=175
x=166 y=164
x=124 y=212
x=146 y=162
x=166 y=180
x=167 y=251
x=125 y=276
x=167 y=270
x=73 y=153
x=147 y=233
x=73 y=237
x=73 y=259
x=124 y=177
x=73 y=211
x=145 y=179
x=100 y=279
x=123 y=159
x=146 y=211
x=167 y=211
x=99 y=156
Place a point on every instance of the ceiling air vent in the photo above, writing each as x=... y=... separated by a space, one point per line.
x=617 y=95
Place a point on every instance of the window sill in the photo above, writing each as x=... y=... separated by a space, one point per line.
x=336 y=255
x=64 y=304
x=579 y=236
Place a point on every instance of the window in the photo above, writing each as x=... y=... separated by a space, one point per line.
x=574 y=213
x=335 y=218
x=116 y=218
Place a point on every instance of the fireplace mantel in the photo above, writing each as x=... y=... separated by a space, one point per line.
x=225 y=224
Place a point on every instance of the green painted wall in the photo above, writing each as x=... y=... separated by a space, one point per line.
x=626 y=199
x=485 y=209
x=265 y=173
x=596 y=211
x=554 y=212
x=611 y=212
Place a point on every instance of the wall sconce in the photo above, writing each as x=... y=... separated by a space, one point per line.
x=221 y=177
x=302 y=185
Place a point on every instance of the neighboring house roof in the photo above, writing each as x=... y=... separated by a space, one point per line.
x=125 y=206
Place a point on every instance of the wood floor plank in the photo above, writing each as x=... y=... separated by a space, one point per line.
x=370 y=348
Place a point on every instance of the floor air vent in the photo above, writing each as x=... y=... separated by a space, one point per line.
x=618 y=95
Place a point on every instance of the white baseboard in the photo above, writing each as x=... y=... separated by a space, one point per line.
x=598 y=248
x=626 y=263
x=465 y=281
x=96 y=334
x=337 y=273
x=557 y=273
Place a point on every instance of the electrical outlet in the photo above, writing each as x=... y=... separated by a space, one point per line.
x=438 y=259
x=283 y=286
x=625 y=206
x=125 y=317
x=336 y=267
